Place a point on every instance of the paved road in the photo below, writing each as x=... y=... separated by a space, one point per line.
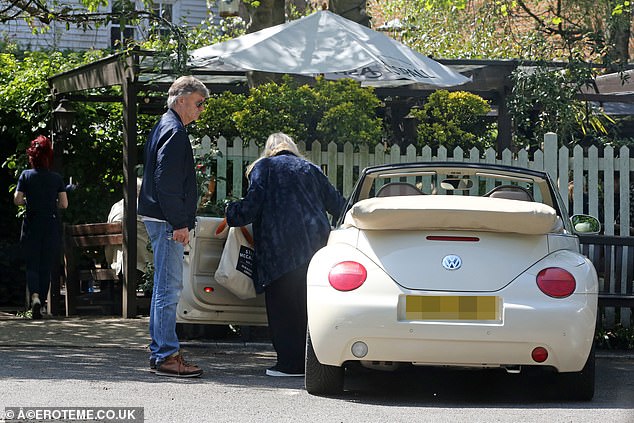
x=67 y=369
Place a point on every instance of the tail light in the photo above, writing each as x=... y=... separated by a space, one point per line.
x=347 y=276
x=539 y=354
x=556 y=282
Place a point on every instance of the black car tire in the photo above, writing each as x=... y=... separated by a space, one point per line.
x=321 y=379
x=577 y=386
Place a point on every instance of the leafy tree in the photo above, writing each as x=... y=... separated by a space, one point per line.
x=336 y=111
x=448 y=29
x=273 y=107
x=453 y=119
x=47 y=12
x=83 y=14
x=543 y=100
x=600 y=30
x=88 y=14
x=209 y=32
x=576 y=32
x=341 y=124
x=91 y=154
x=217 y=117
x=25 y=99
x=24 y=92
x=347 y=112
x=206 y=33
x=525 y=29
x=93 y=159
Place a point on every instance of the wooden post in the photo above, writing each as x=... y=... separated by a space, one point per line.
x=70 y=264
x=505 y=125
x=128 y=301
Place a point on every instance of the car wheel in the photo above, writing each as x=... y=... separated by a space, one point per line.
x=578 y=386
x=321 y=379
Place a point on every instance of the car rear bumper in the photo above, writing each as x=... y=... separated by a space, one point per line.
x=566 y=331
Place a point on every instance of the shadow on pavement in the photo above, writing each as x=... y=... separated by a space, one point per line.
x=442 y=387
x=113 y=350
x=228 y=364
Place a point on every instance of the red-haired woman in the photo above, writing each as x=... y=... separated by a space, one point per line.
x=43 y=192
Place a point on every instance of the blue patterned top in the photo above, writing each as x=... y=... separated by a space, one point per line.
x=286 y=202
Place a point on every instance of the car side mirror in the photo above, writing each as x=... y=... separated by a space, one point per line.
x=585 y=224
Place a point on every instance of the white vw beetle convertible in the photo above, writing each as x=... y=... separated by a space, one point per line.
x=451 y=264
x=441 y=264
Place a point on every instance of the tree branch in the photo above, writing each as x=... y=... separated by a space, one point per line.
x=23 y=7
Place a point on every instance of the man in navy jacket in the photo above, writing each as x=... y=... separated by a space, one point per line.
x=167 y=205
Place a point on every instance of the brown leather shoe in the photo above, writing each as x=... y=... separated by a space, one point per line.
x=176 y=366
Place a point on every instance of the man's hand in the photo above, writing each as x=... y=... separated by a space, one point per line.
x=181 y=235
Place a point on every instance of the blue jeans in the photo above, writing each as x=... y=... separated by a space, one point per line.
x=168 y=284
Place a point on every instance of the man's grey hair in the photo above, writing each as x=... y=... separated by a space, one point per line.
x=183 y=86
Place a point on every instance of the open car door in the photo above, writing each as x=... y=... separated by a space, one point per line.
x=203 y=300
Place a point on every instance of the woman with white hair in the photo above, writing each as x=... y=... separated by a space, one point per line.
x=287 y=202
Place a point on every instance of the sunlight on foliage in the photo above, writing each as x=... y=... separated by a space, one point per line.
x=454 y=119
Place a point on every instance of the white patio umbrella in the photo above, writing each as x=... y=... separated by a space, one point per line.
x=325 y=43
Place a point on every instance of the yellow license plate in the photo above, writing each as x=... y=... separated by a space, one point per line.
x=459 y=307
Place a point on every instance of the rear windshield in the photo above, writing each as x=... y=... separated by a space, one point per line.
x=457 y=182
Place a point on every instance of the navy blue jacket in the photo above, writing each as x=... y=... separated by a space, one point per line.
x=286 y=202
x=169 y=190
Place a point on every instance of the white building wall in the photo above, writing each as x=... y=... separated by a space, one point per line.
x=57 y=37
x=191 y=12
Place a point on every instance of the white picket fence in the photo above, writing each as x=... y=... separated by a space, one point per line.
x=601 y=184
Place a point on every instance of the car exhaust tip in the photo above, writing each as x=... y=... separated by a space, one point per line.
x=513 y=369
x=384 y=366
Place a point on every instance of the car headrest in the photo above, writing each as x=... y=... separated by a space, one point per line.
x=510 y=192
x=394 y=189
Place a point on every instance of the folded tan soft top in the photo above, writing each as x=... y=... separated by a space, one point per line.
x=452 y=212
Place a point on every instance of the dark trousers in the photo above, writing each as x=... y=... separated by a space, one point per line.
x=286 y=310
x=41 y=247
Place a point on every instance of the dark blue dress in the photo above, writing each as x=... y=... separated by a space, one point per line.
x=41 y=227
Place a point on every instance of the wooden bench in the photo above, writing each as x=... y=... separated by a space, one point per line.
x=613 y=258
x=78 y=239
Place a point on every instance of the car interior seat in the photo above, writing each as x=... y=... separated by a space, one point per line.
x=510 y=192
x=393 y=189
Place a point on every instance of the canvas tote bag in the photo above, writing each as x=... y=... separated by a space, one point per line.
x=237 y=262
